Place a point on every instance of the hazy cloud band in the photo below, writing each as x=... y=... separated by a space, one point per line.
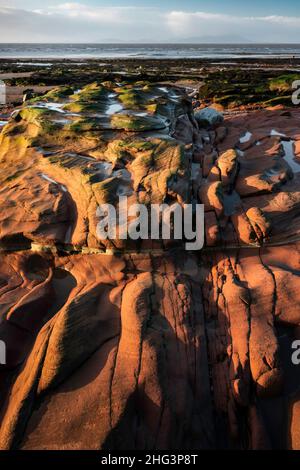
x=76 y=22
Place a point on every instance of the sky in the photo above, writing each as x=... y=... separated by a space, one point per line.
x=97 y=21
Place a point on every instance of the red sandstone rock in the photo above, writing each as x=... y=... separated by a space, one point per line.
x=148 y=350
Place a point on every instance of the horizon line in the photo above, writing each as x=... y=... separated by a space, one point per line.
x=156 y=43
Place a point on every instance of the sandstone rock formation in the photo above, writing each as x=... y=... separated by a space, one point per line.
x=122 y=344
x=209 y=117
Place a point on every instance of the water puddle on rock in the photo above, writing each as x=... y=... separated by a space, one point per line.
x=276 y=133
x=289 y=151
x=163 y=89
x=104 y=168
x=239 y=152
x=47 y=178
x=114 y=107
x=289 y=155
x=50 y=106
x=63 y=122
x=246 y=137
x=34 y=64
x=124 y=190
x=50 y=180
x=123 y=173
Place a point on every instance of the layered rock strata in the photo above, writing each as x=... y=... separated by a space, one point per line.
x=115 y=344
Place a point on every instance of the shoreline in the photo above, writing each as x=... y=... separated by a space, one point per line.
x=86 y=136
x=241 y=59
x=40 y=75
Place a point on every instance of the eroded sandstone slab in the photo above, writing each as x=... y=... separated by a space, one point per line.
x=141 y=345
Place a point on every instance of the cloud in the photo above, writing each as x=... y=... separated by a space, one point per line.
x=284 y=20
x=78 y=22
x=255 y=28
x=113 y=15
x=74 y=22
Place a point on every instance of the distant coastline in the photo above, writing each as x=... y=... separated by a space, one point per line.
x=148 y=51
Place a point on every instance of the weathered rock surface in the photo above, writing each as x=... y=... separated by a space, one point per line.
x=116 y=333
x=116 y=344
x=209 y=117
x=60 y=161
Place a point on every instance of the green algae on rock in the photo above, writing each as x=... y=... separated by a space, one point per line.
x=260 y=88
x=137 y=123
